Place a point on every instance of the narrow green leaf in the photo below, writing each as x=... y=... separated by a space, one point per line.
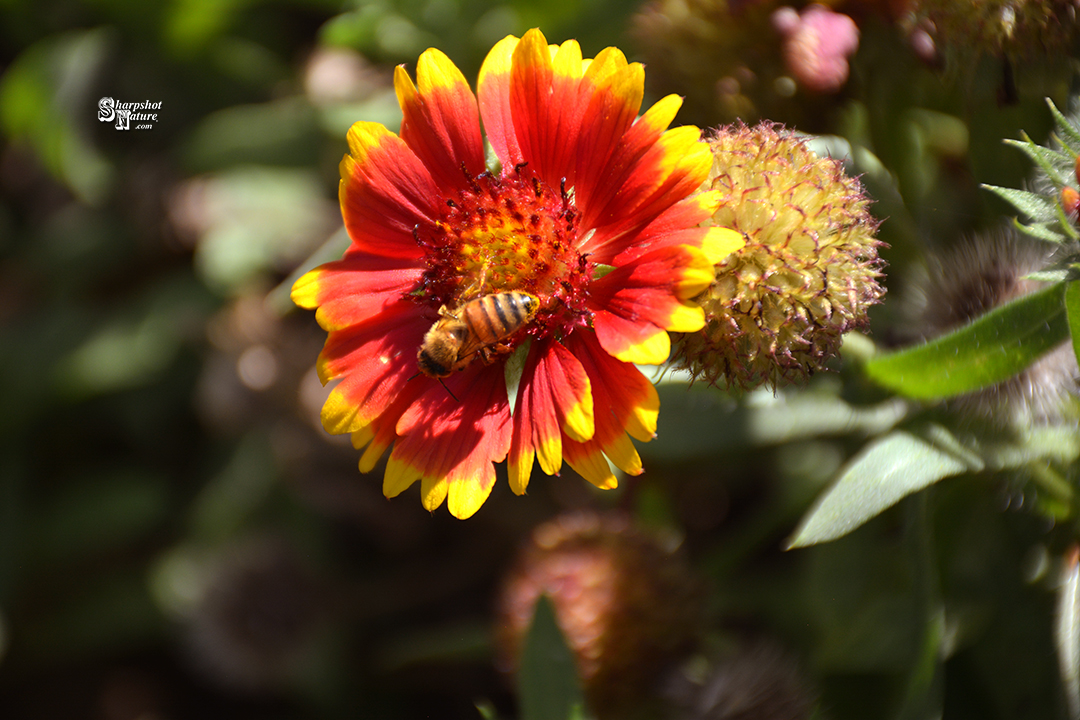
x=548 y=685
x=1072 y=310
x=515 y=367
x=1054 y=275
x=887 y=470
x=989 y=350
x=1031 y=204
x=1040 y=231
x=1071 y=131
x=1045 y=158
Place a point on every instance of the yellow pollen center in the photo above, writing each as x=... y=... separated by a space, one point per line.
x=502 y=234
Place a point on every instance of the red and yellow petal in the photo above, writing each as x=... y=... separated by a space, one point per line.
x=380 y=433
x=493 y=96
x=673 y=168
x=451 y=444
x=681 y=223
x=385 y=192
x=374 y=359
x=349 y=291
x=635 y=305
x=554 y=399
x=440 y=121
x=594 y=198
x=545 y=105
x=612 y=92
x=625 y=402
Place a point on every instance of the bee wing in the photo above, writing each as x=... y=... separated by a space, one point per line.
x=469 y=347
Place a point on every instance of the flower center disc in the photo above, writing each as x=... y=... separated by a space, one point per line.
x=504 y=234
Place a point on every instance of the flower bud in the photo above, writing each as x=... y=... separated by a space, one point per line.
x=624 y=600
x=809 y=271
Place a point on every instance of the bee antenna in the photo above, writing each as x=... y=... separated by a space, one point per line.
x=440 y=382
x=448 y=390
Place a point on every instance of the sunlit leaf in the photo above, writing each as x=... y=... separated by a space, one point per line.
x=1048 y=160
x=887 y=470
x=254 y=220
x=1039 y=231
x=1070 y=135
x=989 y=350
x=1031 y=204
x=1072 y=311
x=548 y=685
x=486 y=709
x=191 y=24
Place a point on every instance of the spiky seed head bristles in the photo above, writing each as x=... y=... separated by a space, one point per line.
x=809 y=272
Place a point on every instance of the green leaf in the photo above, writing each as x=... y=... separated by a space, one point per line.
x=1040 y=231
x=1045 y=158
x=989 y=350
x=548 y=685
x=887 y=470
x=1072 y=311
x=515 y=367
x=1051 y=275
x=1068 y=128
x=1031 y=204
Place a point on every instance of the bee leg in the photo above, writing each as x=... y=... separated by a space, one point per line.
x=475 y=288
x=491 y=352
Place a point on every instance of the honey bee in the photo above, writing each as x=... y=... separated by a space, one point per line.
x=472 y=329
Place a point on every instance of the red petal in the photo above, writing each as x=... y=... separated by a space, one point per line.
x=440 y=121
x=554 y=397
x=456 y=441
x=612 y=91
x=385 y=192
x=493 y=93
x=625 y=401
x=381 y=433
x=666 y=173
x=350 y=290
x=635 y=304
x=374 y=359
x=544 y=104
x=678 y=225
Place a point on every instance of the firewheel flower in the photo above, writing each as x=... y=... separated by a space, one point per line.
x=535 y=285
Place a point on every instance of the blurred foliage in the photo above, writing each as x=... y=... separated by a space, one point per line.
x=179 y=538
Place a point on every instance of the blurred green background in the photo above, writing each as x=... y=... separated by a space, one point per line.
x=180 y=539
